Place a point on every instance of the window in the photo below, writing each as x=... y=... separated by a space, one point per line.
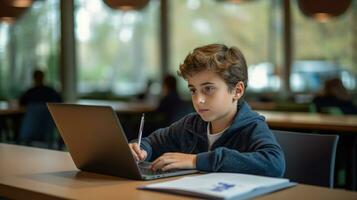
x=27 y=45
x=322 y=51
x=117 y=51
x=252 y=26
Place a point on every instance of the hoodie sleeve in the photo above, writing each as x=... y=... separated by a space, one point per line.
x=163 y=140
x=263 y=156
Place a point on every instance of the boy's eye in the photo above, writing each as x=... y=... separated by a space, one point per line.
x=208 y=90
x=192 y=91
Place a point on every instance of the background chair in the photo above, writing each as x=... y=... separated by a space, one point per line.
x=310 y=158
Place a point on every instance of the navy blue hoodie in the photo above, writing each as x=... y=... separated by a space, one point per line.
x=247 y=146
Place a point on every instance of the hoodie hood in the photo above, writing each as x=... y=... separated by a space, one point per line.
x=244 y=118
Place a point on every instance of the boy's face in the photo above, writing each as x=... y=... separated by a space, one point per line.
x=211 y=98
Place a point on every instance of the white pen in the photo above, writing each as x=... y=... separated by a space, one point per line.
x=141 y=129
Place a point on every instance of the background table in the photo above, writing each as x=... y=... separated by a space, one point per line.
x=311 y=121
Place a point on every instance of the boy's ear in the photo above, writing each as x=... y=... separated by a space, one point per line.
x=238 y=90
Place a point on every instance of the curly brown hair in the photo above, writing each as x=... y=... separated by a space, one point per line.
x=228 y=63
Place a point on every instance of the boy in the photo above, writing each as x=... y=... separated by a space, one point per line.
x=225 y=135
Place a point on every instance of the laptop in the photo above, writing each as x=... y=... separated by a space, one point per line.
x=97 y=143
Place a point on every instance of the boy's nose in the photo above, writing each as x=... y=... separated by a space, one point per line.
x=201 y=100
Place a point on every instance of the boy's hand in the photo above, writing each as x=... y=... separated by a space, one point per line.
x=174 y=161
x=138 y=153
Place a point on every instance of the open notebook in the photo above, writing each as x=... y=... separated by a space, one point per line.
x=222 y=185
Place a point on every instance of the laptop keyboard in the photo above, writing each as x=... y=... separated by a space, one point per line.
x=145 y=168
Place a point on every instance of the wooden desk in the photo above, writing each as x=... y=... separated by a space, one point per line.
x=7 y=109
x=32 y=173
x=121 y=106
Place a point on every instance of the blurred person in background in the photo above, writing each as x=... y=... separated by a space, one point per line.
x=171 y=107
x=170 y=103
x=39 y=93
x=334 y=99
x=37 y=124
